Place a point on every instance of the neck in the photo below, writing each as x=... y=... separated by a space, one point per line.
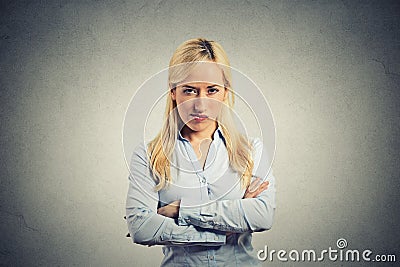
x=194 y=136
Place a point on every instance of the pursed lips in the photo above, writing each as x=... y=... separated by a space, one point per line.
x=196 y=115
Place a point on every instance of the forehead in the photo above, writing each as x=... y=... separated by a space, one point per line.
x=205 y=73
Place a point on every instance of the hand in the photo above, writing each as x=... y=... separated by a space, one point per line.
x=255 y=188
x=171 y=210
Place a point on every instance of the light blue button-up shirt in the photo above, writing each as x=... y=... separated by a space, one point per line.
x=211 y=205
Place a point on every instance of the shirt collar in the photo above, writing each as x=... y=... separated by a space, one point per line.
x=217 y=134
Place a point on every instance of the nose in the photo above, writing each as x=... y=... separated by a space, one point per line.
x=199 y=104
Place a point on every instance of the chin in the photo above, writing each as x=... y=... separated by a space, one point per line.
x=197 y=127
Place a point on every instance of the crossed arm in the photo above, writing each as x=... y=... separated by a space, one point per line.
x=254 y=190
x=180 y=225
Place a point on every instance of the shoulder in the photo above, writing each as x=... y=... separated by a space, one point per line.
x=259 y=152
x=257 y=144
x=140 y=153
x=261 y=159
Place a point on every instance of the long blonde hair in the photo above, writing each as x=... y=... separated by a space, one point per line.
x=161 y=148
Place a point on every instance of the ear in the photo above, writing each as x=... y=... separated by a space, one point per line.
x=173 y=94
x=225 y=93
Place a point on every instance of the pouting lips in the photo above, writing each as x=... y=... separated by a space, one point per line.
x=201 y=116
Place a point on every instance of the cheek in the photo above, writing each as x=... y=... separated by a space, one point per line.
x=214 y=109
x=183 y=108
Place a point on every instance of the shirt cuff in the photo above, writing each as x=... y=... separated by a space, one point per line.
x=192 y=236
x=189 y=208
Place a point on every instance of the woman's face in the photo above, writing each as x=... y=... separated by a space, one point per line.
x=200 y=97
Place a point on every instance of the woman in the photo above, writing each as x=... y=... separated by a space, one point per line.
x=200 y=187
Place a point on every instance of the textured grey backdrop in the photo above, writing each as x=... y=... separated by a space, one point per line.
x=329 y=69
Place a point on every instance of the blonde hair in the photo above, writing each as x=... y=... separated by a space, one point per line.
x=161 y=148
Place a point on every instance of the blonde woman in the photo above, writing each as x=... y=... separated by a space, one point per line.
x=200 y=187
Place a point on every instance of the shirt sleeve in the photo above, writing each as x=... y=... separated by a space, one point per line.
x=237 y=215
x=145 y=226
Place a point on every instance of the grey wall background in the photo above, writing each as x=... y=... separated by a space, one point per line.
x=329 y=69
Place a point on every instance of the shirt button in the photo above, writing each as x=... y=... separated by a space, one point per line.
x=204 y=180
x=211 y=257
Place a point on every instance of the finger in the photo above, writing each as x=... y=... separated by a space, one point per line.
x=263 y=187
x=250 y=186
x=255 y=188
x=250 y=195
x=260 y=187
x=254 y=185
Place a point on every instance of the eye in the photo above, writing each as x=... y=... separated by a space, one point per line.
x=212 y=91
x=189 y=91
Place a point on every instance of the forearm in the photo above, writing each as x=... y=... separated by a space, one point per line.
x=236 y=215
x=239 y=215
x=149 y=228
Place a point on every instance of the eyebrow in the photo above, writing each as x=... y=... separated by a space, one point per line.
x=192 y=87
